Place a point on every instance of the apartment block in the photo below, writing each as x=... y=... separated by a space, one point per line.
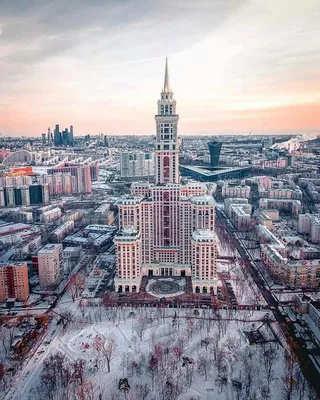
x=14 y=281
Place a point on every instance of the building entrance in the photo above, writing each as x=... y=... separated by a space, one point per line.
x=166 y=272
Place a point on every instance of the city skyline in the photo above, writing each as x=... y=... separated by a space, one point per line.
x=237 y=66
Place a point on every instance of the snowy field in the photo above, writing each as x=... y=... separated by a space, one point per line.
x=168 y=355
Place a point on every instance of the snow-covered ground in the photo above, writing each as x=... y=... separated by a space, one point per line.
x=245 y=289
x=166 y=355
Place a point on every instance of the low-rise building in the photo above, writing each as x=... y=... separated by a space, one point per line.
x=285 y=205
x=291 y=273
x=228 y=203
x=239 y=191
x=51 y=215
x=264 y=219
x=241 y=216
x=62 y=232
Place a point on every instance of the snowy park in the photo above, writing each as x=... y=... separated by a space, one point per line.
x=166 y=354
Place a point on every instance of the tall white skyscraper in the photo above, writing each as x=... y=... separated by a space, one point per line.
x=166 y=229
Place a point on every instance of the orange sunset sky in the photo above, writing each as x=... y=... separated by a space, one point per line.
x=235 y=66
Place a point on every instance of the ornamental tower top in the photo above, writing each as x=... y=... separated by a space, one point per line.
x=166 y=147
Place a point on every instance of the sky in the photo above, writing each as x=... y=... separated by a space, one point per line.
x=236 y=66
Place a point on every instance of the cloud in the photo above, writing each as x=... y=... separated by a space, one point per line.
x=88 y=60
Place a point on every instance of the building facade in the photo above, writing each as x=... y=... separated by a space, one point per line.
x=136 y=164
x=50 y=266
x=70 y=179
x=14 y=281
x=157 y=223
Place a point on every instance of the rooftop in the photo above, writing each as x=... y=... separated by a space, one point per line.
x=212 y=172
x=49 y=248
x=7 y=228
x=204 y=234
x=16 y=264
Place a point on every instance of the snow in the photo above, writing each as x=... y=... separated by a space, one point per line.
x=139 y=333
x=245 y=289
x=181 y=282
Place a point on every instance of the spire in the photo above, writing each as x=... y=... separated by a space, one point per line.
x=166 y=79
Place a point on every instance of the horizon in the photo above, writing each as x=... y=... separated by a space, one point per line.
x=234 y=68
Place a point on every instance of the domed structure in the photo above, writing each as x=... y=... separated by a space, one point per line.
x=19 y=156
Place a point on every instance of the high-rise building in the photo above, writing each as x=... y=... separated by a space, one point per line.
x=82 y=174
x=14 y=281
x=50 y=266
x=166 y=229
x=70 y=141
x=57 y=136
x=44 y=140
x=65 y=137
x=49 y=137
x=136 y=164
x=105 y=141
x=214 y=150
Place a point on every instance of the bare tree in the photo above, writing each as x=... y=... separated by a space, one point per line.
x=140 y=326
x=204 y=366
x=110 y=347
x=76 y=285
x=143 y=390
x=269 y=355
x=288 y=381
x=83 y=308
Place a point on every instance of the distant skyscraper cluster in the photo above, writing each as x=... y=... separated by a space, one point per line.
x=58 y=139
x=136 y=164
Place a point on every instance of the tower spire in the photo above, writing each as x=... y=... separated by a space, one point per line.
x=166 y=78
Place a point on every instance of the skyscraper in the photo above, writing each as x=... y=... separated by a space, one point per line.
x=49 y=136
x=70 y=141
x=57 y=136
x=166 y=229
x=65 y=137
x=214 y=149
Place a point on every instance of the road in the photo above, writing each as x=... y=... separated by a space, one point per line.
x=309 y=369
x=25 y=378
